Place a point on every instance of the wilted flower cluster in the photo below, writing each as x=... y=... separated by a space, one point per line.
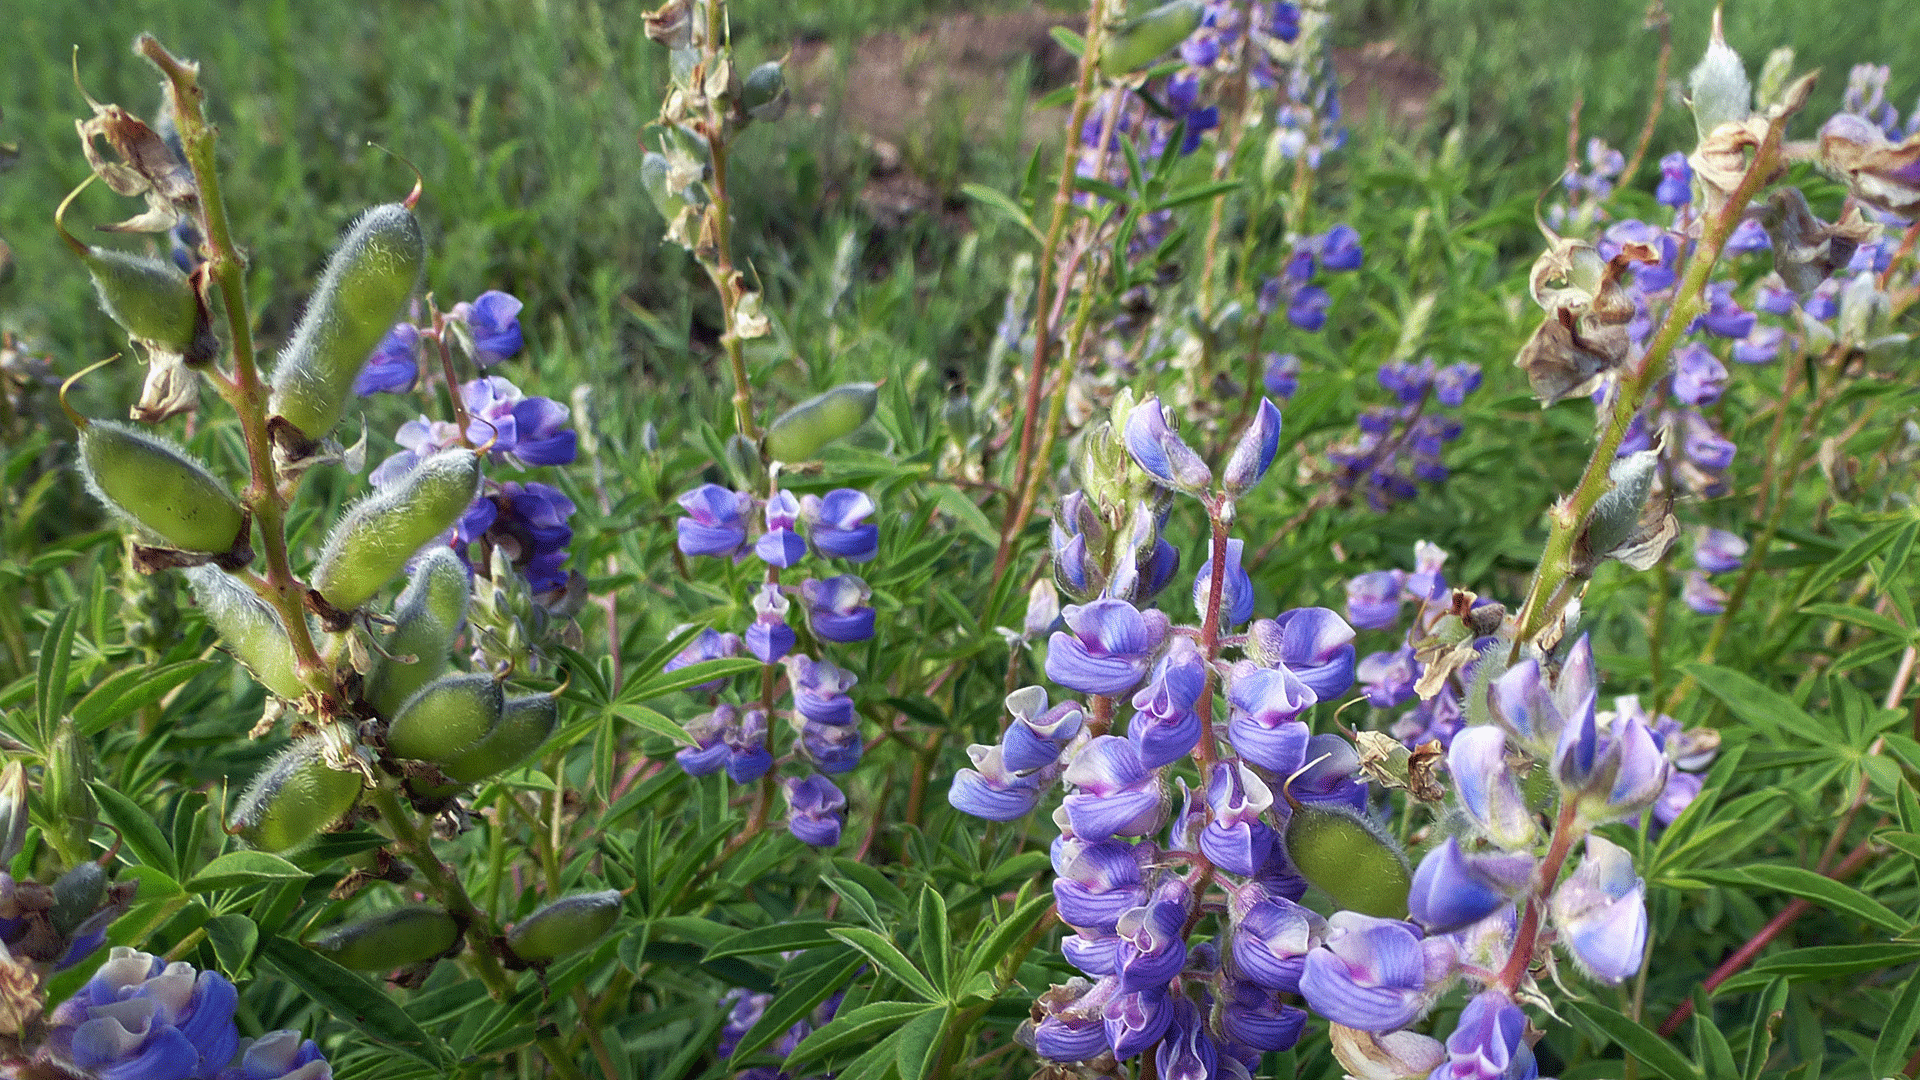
x=717 y=524
x=141 y=1018
x=1398 y=446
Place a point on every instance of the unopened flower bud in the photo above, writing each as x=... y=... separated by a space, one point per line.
x=1254 y=454
x=1161 y=453
x=1601 y=913
x=1718 y=90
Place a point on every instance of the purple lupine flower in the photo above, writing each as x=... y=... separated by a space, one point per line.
x=1164 y=725
x=1093 y=952
x=1427 y=582
x=528 y=431
x=278 y=1055
x=1676 y=181
x=1271 y=938
x=1724 y=317
x=1682 y=788
x=1452 y=890
x=1407 y=380
x=1256 y=1017
x=1264 y=721
x=1097 y=882
x=1489 y=1043
x=1107 y=649
x=839 y=609
x=1487 y=790
x=494 y=319
x=394 y=365
x=1315 y=643
x=748 y=758
x=1151 y=949
x=1281 y=376
x=1703 y=597
x=1374 y=974
x=530 y=527
x=1824 y=302
x=1373 y=599
x=1038 y=734
x=1237 y=839
x=1613 y=775
x=419 y=440
x=832 y=748
x=820 y=690
x=1703 y=445
x=1236 y=601
x=744 y=1009
x=769 y=637
x=1073 y=1027
x=816 y=810
x=1187 y=1051
x=1387 y=678
x=1253 y=454
x=1331 y=763
x=780 y=545
x=990 y=790
x=1601 y=913
x=1138 y=1020
x=1699 y=378
x=1340 y=249
x=1760 y=347
x=1748 y=237
x=1438 y=718
x=1116 y=795
x=1307 y=309
x=709 y=644
x=141 y=1018
x=1773 y=297
x=716 y=521
x=1452 y=384
x=1719 y=551
x=837 y=524
x=709 y=752
x=1159 y=450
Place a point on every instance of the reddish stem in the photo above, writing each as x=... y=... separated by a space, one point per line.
x=1529 y=935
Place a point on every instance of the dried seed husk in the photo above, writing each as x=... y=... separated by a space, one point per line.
x=374 y=539
x=294 y=798
x=391 y=939
x=427 y=618
x=448 y=715
x=564 y=926
x=159 y=489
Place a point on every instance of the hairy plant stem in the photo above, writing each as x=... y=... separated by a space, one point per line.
x=247 y=395
x=717 y=260
x=1570 y=514
x=1567 y=829
x=1657 y=19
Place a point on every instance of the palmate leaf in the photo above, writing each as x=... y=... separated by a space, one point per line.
x=1818 y=888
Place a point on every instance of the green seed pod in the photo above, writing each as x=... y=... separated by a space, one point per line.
x=365 y=288
x=427 y=618
x=803 y=430
x=764 y=92
x=525 y=723
x=75 y=896
x=1141 y=41
x=374 y=539
x=294 y=798
x=150 y=298
x=1350 y=859
x=447 y=716
x=156 y=487
x=566 y=925
x=249 y=629
x=391 y=939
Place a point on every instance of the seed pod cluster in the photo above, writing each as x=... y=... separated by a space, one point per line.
x=391 y=939
x=1349 y=858
x=294 y=798
x=567 y=925
x=427 y=618
x=374 y=539
x=803 y=431
x=249 y=629
x=364 y=290
x=159 y=489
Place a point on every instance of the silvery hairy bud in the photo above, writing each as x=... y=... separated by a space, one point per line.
x=1718 y=90
x=764 y=92
x=1626 y=524
x=295 y=796
x=13 y=811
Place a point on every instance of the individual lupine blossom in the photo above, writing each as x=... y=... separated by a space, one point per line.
x=744 y=1008
x=492 y=325
x=708 y=644
x=1676 y=181
x=715 y=523
x=816 y=809
x=1399 y=447
x=1588 y=184
x=1689 y=751
x=1866 y=96
x=1388 y=678
x=768 y=637
x=1307 y=118
x=1716 y=552
x=1336 y=251
x=141 y=1018
x=1695 y=456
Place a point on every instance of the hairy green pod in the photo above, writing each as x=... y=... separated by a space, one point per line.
x=364 y=290
x=1141 y=41
x=567 y=925
x=448 y=715
x=426 y=618
x=150 y=298
x=76 y=894
x=803 y=430
x=763 y=93
x=374 y=539
x=525 y=723
x=158 y=488
x=249 y=629
x=1350 y=859
x=391 y=939
x=293 y=799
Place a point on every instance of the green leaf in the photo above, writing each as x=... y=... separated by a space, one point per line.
x=883 y=891
x=692 y=675
x=350 y=998
x=1000 y=202
x=238 y=868
x=888 y=958
x=1652 y=1051
x=781 y=937
x=935 y=943
x=1766 y=1020
x=1898 y=1033
x=920 y=1043
x=234 y=938
x=853 y=1028
x=1197 y=193
x=1860 y=616
x=1754 y=703
x=650 y=721
x=129 y=690
x=965 y=511
x=1008 y=931
x=50 y=677
x=137 y=827
x=791 y=1004
x=1068 y=40
x=1850 y=560
x=1823 y=962
x=1709 y=1044
x=857 y=897
x=1095 y=186
x=1820 y=889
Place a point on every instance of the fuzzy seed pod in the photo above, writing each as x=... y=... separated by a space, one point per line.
x=150 y=298
x=294 y=798
x=449 y=715
x=1350 y=859
x=566 y=925
x=802 y=431
x=427 y=617
x=365 y=288
x=374 y=539
x=249 y=629
x=76 y=894
x=157 y=488
x=391 y=939
x=525 y=723
x=764 y=92
x=1141 y=41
